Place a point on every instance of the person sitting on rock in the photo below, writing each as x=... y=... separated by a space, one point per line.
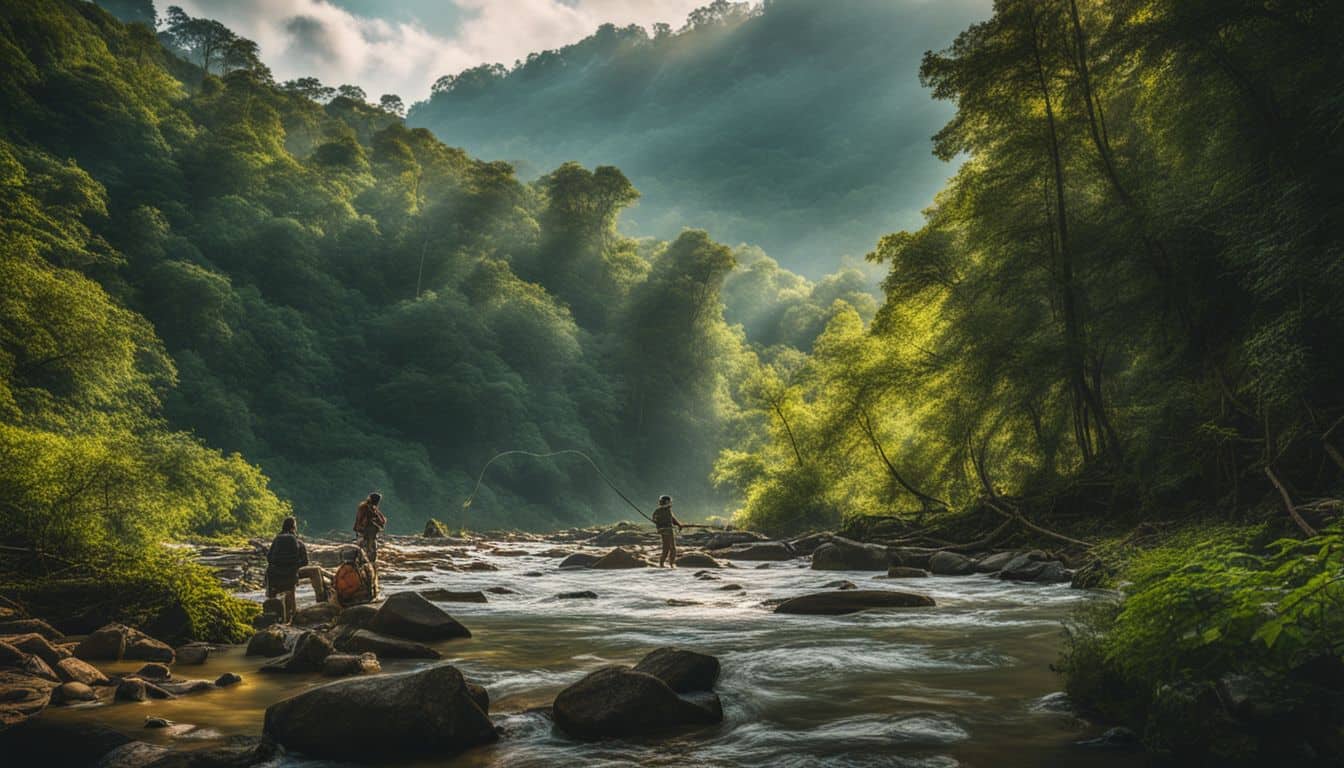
x=283 y=561
x=369 y=522
x=355 y=581
x=663 y=519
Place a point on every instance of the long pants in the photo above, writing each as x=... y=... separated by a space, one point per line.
x=315 y=577
x=669 y=553
x=369 y=544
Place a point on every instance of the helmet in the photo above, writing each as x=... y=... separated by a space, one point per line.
x=664 y=499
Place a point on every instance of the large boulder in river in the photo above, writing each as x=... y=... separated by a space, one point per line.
x=1041 y=571
x=310 y=651
x=841 y=554
x=73 y=670
x=27 y=626
x=806 y=545
x=271 y=641
x=951 y=564
x=410 y=615
x=114 y=642
x=851 y=601
x=357 y=616
x=725 y=539
x=579 y=560
x=346 y=664
x=440 y=595
x=618 y=701
x=995 y=562
x=697 y=560
x=619 y=558
x=39 y=646
x=905 y=572
x=429 y=713
x=913 y=557
x=364 y=641
x=774 y=551
x=683 y=671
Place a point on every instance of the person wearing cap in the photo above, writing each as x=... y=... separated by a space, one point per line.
x=663 y=519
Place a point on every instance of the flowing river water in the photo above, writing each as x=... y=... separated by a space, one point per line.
x=966 y=683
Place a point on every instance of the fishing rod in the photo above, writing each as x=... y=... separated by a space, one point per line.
x=567 y=451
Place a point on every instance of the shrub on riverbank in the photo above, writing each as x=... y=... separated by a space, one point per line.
x=1226 y=649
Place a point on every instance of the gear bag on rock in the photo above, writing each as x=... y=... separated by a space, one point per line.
x=351 y=583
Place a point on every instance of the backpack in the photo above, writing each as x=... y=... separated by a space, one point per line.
x=350 y=585
x=662 y=517
x=284 y=552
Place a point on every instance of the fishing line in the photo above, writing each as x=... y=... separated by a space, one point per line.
x=568 y=451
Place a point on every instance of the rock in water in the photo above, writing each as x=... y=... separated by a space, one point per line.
x=316 y=615
x=619 y=558
x=808 y=544
x=584 y=594
x=449 y=596
x=364 y=641
x=310 y=651
x=72 y=693
x=579 y=560
x=40 y=647
x=345 y=664
x=841 y=584
x=435 y=529
x=1024 y=568
x=841 y=554
x=117 y=641
x=227 y=679
x=154 y=671
x=409 y=615
x=774 y=551
x=357 y=616
x=30 y=626
x=194 y=654
x=697 y=560
x=906 y=572
x=851 y=601
x=618 y=701
x=427 y=713
x=73 y=670
x=271 y=641
x=21 y=695
x=683 y=671
x=951 y=564
x=995 y=562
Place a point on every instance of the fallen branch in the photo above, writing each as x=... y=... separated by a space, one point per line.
x=1016 y=515
x=1288 y=503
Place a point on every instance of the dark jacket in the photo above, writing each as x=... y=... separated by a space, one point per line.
x=369 y=515
x=284 y=559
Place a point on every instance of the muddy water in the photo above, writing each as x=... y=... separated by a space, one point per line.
x=966 y=683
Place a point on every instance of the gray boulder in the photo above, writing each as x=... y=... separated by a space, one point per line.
x=806 y=545
x=449 y=596
x=914 y=557
x=365 y=641
x=951 y=564
x=310 y=651
x=619 y=558
x=906 y=572
x=271 y=641
x=1039 y=571
x=357 y=616
x=725 y=539
x=841 y=554
x=683 y=671
x=772 y=551
x=995 y=562
x=579 y=560
x=697 y=560
x=618 y=701
x=428 y=713
x=851 y=601
x=409 y=615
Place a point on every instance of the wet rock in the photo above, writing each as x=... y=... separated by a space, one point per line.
x=32 y=665
x=449 y=596
x=533 y=574
x=914 y=557
x=132 y=689
x=501 y=591
x=193 y=654
x=697 y=560
x=357 y=616
x=428 y=713
x=623 y=534
x=136 y=754
x=579 y=595
x=841 y=554
x=704 y=576
x=40 y=647
x=773 y=551
x=684 y=671
x=479 y=695
x=73 y=670
x=724 y=539
x=851 y=601
x=808 y=544
x=619 y=558
x=365 y=641
x=950 y=564
x=730 y=588
x=117 y=641
x=995 y=562
x=30 y=626
x=906 y=572
x=435 y=529
x=1119 y=738
x=676 y=603
x=72 y=693
x=58 y=743
x=774 y=601
x=310 y=650
x=142 y=647
x=409 y=615
x=154 y=671
x=346 y=664
x=272 y=641
x=618 y=701
x=1040 y=571
x=22 y=695
x=185 y=687
x=157 y=722
x=479 y=565
x=316 y=615
x=227 y=679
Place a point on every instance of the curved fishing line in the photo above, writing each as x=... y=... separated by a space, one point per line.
x=567 y=451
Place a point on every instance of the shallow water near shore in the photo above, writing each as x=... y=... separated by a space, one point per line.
x=966 y=683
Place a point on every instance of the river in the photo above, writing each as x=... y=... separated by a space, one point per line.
x=967 y=683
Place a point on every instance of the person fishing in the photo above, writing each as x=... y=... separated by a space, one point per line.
x=369 y=522
x=663 y=520
x=285 y=557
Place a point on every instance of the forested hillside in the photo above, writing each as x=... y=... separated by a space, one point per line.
x=796 y=125
x=199 y=256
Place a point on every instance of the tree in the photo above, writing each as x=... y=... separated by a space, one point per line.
x=391 y=102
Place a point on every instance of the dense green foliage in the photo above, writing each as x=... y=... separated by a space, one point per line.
x=795 y=125
x=1127 y=300
x=293 y=276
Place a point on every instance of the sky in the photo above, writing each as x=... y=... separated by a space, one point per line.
x=403 y=46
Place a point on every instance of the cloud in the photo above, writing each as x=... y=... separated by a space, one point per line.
x=395 y=51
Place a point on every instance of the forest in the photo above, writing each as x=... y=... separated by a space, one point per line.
x=228 y=298
x=797 y=126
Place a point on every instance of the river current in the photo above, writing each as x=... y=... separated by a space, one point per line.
x=966 y=683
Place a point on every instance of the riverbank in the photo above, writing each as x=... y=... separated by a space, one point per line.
x=963 y=682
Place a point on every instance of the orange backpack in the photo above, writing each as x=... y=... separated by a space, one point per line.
x=350 y=585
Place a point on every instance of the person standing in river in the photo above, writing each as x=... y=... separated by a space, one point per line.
x=285 y=557
x=663 y=519
x=369 y=522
